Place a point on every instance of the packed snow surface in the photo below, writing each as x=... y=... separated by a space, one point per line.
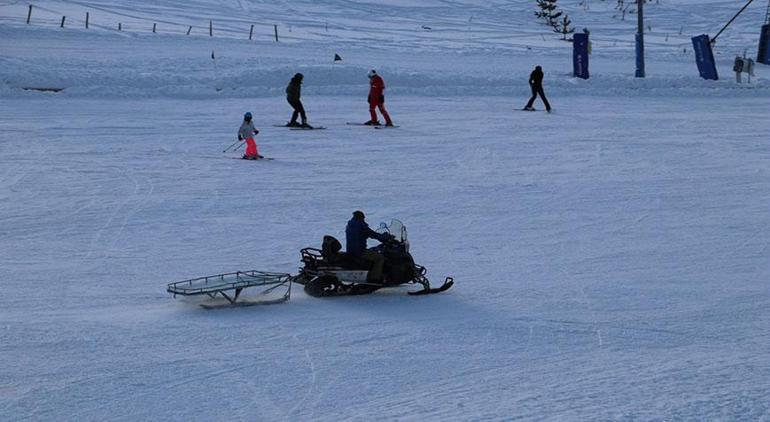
x=611 y=258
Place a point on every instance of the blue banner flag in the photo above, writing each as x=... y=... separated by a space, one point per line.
x=763 y=56
x=704 y=57
x=580 y=55
x=639 y=38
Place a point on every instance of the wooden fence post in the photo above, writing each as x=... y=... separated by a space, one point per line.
x=251 y=32
x=275 y=27
x=29 y=14
x=211 y=28
x=153 y=27
x=189 y=29
x=62 y=21
x=87 y=16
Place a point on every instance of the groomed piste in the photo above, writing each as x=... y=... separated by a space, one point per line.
x=609 y=258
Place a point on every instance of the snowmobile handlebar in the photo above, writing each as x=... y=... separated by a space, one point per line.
x=391 y=240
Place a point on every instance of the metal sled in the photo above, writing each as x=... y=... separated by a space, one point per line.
x=231 y=285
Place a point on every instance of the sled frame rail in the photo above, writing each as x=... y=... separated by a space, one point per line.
x=230 y=285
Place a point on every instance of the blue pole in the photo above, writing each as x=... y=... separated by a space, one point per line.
x=640 y=39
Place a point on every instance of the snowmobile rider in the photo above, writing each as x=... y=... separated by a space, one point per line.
x=356 y=234
x=293 y=92
x=247 y=132
x=377 y=99
x=536 y=83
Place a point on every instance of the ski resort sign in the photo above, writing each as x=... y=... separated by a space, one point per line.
x=580 y=55
x=704 y=57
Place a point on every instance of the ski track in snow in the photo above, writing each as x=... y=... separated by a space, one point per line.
x=560 y=310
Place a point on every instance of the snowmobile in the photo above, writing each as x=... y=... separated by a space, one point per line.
x=330 y=272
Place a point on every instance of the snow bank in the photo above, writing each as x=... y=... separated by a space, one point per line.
x=489 y=53
x=201 y=77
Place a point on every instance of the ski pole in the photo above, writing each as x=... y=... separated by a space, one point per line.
x=239 y=146
x=226 y=149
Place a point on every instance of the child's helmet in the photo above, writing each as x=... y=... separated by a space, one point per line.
x=247 y=116
x=372 y=73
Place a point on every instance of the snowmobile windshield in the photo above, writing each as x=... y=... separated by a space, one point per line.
x=396 y=228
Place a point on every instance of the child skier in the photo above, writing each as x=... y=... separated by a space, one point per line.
x=247 y=132
x=377 y=99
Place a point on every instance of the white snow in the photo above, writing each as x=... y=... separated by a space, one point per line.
x=611 y=258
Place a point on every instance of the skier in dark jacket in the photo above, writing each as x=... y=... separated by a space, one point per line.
x=536 y=83
x=356 y=234
x=292 y=96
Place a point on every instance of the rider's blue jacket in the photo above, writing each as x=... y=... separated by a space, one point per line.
x=356 y=233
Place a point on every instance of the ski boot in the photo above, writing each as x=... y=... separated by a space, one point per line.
x=373 y=123
x=293 y=124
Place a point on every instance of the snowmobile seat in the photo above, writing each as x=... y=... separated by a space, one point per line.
x=352 y=262
x=332 y=255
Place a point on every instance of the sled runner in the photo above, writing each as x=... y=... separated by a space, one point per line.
x=230 y=286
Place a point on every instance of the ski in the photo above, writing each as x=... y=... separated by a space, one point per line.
x=449 y=282
x=301 y=128
x=359 y=124
x=250 y=159
x=374 y=126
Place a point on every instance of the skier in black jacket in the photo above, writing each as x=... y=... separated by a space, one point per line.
x=536 y=83
x=292 y=96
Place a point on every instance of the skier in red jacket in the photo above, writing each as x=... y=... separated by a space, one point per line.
x=377 y=99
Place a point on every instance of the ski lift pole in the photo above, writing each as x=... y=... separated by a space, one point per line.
x=713 y=40
x=640 y=39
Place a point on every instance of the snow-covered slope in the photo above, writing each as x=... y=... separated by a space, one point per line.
x=611 y=258
x=470 y=48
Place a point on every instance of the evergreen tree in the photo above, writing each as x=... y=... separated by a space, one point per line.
x=548 y=11
x=563 y=27
x=542 y=9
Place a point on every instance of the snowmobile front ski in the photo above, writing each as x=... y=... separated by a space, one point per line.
x=449 y=282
